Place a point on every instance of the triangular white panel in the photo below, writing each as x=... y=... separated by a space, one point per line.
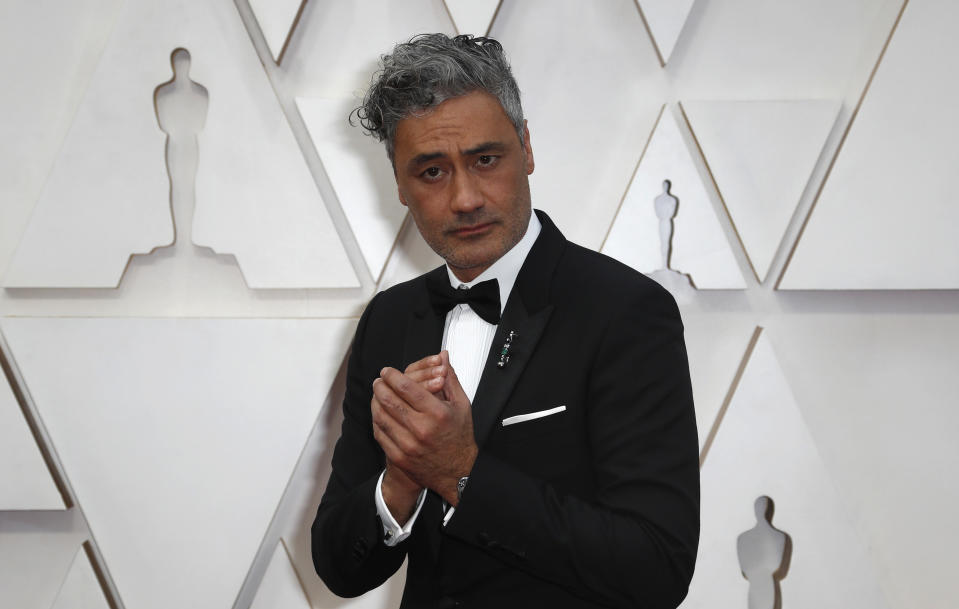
x=472 y=16
x=761 y=154
x=361 y=175
x=665 y=19
x=764 y=448
x=281 y=587
x=411 y=257
x=26 y=482
x=108 y=192
x=81 y=589
x=700 y=248
x=57 y=50
x=887 y=215
x=715 y=346
x=275 y=18
x=879 y=390
x=190 y=425
x=33 y=563
x=581 y=192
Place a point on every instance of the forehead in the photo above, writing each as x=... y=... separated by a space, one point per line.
x=459 y=122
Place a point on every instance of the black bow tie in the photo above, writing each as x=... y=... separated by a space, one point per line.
x=483 y=297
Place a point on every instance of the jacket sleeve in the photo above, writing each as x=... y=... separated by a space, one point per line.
x=633 y=544
x=348 y=551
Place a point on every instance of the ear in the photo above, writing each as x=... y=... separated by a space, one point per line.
x=527 y=148
x=399 y=193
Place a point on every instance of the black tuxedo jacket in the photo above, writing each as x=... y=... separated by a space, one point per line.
x=594 y=506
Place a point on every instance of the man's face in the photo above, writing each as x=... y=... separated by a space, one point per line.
x=462 y=172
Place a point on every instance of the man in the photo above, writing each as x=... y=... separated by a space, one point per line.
x=539 y=448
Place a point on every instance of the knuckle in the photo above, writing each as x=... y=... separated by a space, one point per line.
x=388 y=401
x=422 y=432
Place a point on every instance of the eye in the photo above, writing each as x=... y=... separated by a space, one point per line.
x=432 y=174
x=487 y=160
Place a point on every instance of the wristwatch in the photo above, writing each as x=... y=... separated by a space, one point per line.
x=460 y=486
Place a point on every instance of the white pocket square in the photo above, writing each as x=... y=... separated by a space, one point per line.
x=529 y=416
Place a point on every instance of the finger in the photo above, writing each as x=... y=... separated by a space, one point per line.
x=400 y=440
x=452 y=390
x=407 y=391
x=424 y=364
x=390 y=449
x=390 y=400
x=425 y=375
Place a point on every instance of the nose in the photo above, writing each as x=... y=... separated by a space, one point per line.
x=466 y=195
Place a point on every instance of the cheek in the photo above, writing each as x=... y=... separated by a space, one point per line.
x=426 y=219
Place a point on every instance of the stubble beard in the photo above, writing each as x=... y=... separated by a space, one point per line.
x=443 y=242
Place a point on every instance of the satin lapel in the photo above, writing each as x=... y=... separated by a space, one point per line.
x=527 y=312
x=497 y=383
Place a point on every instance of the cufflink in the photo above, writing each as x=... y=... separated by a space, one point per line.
x=460 y=487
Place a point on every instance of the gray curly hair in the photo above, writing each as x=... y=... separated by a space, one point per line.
x=429 y=69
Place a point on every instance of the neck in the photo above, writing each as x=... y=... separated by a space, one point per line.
x=467 y=275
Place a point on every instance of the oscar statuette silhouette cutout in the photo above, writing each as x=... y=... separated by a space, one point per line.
x=679 y=284
x=764 y=553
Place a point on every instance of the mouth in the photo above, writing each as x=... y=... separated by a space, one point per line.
x=473 y=230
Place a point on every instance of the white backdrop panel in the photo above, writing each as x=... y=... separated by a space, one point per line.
x=880 y=393
x=411 y=258
x=335 y=47
x=887 y=218
x=80 y=589
x=761 y=154
x=756 y=49
x=33 y=564
x=178 y=437
x=700 y=247
x=281 y=587
x=361 y=175
x=26 y=482
x=764 y=448
x=585 y=143
x=108 y=193
x=666 y=19
x=716 y=346
x=472 y=16
x=275 y=18
x=50 y=56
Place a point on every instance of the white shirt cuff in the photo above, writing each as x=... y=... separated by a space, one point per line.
x=393 y=533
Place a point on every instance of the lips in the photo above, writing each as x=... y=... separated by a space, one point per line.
x=475 y=229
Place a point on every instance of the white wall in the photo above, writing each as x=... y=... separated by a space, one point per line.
x=185 y=419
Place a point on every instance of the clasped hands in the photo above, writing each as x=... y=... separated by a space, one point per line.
x=422 y=420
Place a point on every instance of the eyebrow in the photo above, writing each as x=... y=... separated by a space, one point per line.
x=486 y=147
x=483 y=148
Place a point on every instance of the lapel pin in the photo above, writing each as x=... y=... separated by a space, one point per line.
x=504 y=352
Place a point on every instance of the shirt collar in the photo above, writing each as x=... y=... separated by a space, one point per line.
x=506 y=269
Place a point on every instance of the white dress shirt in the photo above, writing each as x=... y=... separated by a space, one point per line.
x=468 y=339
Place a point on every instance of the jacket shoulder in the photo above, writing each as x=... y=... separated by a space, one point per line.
x=597 y=277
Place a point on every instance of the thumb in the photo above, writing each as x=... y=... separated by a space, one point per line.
x=453 y=392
